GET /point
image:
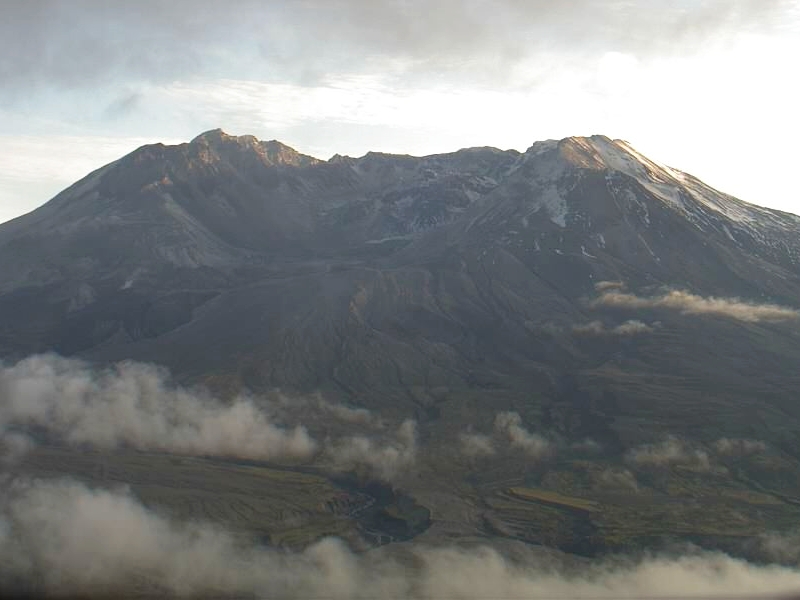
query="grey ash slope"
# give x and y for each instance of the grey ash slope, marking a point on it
(445, 287)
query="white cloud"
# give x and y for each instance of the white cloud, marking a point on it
(382, 457)
(135, 405)
(65, 539)
(692, 304)
(671, 452)
(631, 327)
(509, 425)
(476, 444)
(738, 447)
(618, 479)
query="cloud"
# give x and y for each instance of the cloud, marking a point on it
(62, 538)
(134, 405)
(380, 457)
(632, 327)
(603, 286)
(476, 444)
(316, 409)
(84, 42)
(13, 446)
(671, 452)
(346, 414)
(691, 304)
(618, 479)
(587, 446)
(509, 425)
(738, 447)
(781, 547)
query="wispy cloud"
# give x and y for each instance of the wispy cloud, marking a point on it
(381, 457)
(739, 447)
(671, 452)
(632, 327)
(509, 425)
(618, 480)
(476, 444)
(604, 286)
(317, 407)
(692, 304)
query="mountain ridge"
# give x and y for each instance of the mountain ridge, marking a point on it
(576, 298)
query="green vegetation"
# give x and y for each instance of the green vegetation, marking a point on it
(572, 508)
(278, 506)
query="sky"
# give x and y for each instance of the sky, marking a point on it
(705, 86)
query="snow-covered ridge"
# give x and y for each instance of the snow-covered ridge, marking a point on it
(677, 188)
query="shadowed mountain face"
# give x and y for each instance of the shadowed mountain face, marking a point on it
(598, 294)
(600, 352)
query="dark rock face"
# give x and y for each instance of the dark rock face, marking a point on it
(446, 287)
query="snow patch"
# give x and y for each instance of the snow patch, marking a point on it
(555, 205)
(649, 249)
(728, 233)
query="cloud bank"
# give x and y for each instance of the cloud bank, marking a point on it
(691, 304)
(62, 538)
(56, 45)
(134, 405)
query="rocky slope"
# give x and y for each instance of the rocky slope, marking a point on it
(606, 299)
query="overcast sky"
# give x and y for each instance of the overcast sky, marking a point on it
(706, 86)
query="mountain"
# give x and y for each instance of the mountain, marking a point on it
(616, 305)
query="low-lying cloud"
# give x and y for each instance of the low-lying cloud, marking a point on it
(780, 547)
(476, 444)
(738, 447)
(384, 458)
(62, 538)
(671, 452)
(317, 406)
(674, 451)
(618, 479)
(604, 286)
(631, 327)
(134, 405)
(692, 304)
(509, 425)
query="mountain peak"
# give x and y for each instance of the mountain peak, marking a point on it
(271, 152)
(599, 153)
(213, 136)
